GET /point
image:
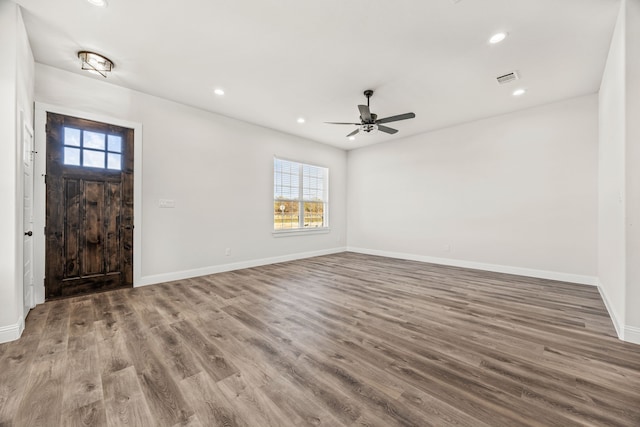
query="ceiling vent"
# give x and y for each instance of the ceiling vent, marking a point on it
(508, 78)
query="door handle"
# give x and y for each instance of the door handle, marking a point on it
(128, 227)
(28, 233)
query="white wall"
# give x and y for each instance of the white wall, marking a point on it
(218, 170)
(632, 28)
(611, 182)
(8, 162)
(16, 96)
(515, 193)
(619, 175)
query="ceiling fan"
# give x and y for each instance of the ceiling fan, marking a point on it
(370, 122)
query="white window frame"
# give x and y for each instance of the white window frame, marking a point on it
(301, 229)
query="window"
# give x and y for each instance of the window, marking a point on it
(92, 149)
(300, 196)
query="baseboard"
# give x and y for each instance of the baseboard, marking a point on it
(186, 274)
(632, 334)
(11, 332)
(519, 271)
(619, 327)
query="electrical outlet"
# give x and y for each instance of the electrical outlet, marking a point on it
(227, 252)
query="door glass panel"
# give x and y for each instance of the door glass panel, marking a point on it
(94, 140)
(114, 161)
(71, 156)
(93, 159)
(114, 143)
(72, 137)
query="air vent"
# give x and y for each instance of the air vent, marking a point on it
(508, 78)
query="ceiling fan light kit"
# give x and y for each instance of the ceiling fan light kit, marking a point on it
(369, 122)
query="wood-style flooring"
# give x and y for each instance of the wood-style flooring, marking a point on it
(339, 340)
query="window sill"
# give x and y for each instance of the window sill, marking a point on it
(301, 232)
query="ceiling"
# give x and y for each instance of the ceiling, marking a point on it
(278, 60)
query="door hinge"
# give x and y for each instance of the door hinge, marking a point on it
(45, 178)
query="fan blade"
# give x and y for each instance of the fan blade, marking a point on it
(341, 123)
(353, 133)
(365, 113)
(386, 129)
(396, 118)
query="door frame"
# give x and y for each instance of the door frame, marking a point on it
(39, 193)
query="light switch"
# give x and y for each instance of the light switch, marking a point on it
(167, 203)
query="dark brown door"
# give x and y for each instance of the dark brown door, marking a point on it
(89, 214)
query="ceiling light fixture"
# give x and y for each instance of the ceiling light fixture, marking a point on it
(219, 92)
(301, 120)
(352, 138)
(519, 92)
(99, 3)
(497, 38)
(95, 63)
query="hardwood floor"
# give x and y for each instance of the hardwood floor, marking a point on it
(339, 340)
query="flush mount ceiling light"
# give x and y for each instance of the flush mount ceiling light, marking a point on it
(301, 120)
(99, 3)
(95, 63)
(497, 38)
(219, 92)
(352, 138)
(519, 92)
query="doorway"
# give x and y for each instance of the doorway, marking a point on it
(89, 206)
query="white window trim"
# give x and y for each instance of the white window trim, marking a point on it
(302, 230)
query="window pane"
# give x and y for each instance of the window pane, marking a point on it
(293, 181)
(93, 140)
(114, 161)
(72, 156)
(114, 143)
(72, 137)
(313, 214)
(93, 159)
(285, 215)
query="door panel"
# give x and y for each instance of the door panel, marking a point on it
(93, 228)
(72, 228)
(89, 222)
(27, 212)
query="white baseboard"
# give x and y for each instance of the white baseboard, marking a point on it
(519, 271)
(186, 274)
(11, 332)
(619, 327)
(632, 334)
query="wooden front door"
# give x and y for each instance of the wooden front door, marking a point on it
(89, 207)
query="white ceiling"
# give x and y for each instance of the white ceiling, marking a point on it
(279, 60)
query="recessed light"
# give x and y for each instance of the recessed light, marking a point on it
(219, 92)
(519, 92)
(99, 3)
(301, 120)
(352, 138)
(497, 38)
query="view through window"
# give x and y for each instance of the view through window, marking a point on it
(300, 199)
(92, 149)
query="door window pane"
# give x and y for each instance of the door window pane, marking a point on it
(71, 156)
(114, 144)
(93, 140)
(72, 137)
(114, 161)
(93, 159)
